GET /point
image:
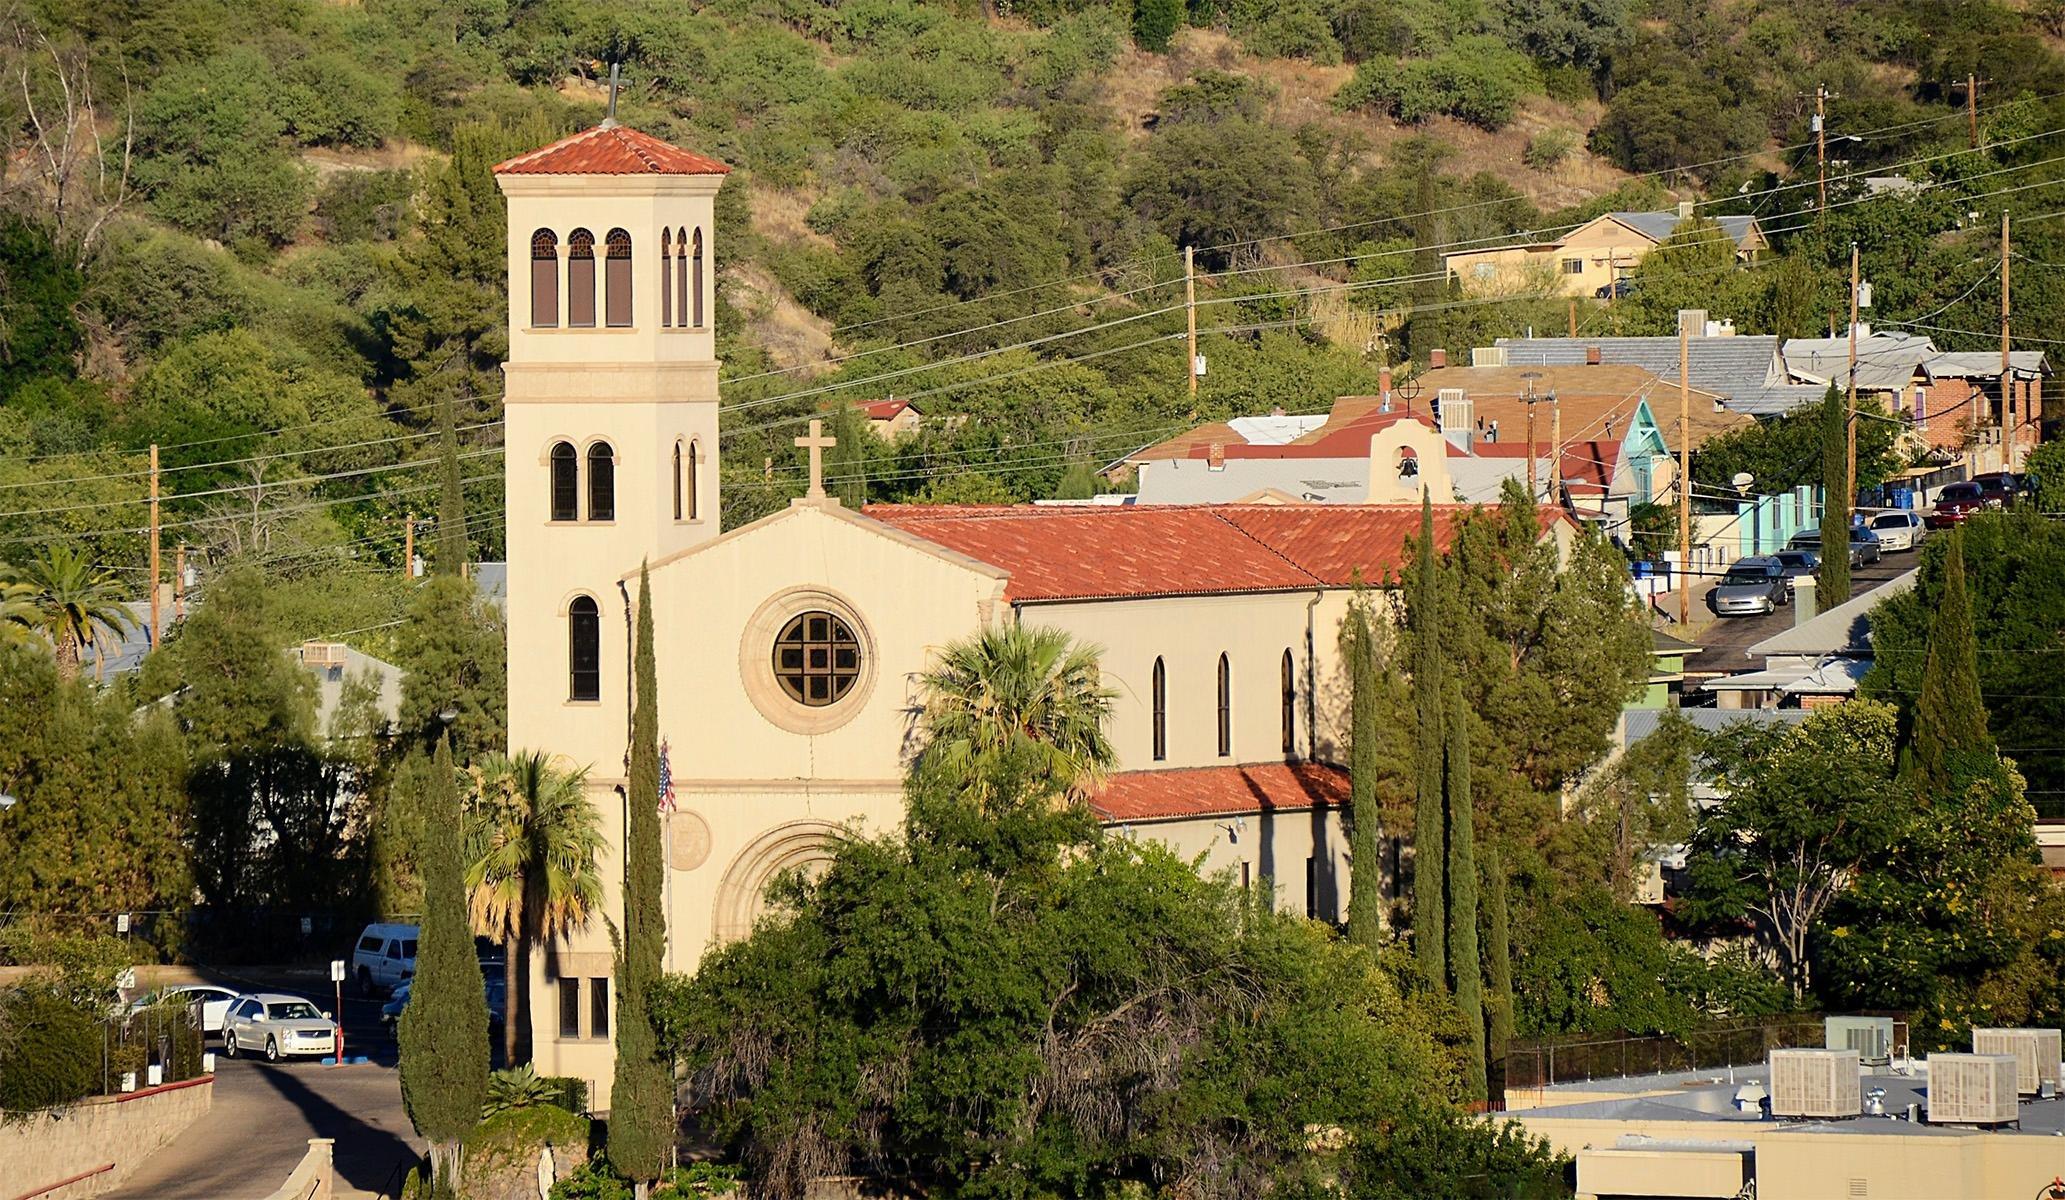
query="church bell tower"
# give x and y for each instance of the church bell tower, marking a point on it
(610, 414)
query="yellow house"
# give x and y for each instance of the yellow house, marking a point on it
(1587, 261)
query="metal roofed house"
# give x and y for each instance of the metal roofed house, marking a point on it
(1744, 371)
(1594, 255)
(1820, 660)
(1962, 391)
(1888, 363)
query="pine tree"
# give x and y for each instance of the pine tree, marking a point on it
(451, 506)
(1366, 899)
(1832, 583)
(1423, 609)
(1465, 965)
(1950, 715)
(444, 1029)
(641, 1123)
(1499, 963)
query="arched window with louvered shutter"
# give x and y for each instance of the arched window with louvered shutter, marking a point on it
(694, 482)
(584, 649)
(602, 482)
(1290, 705)
(695, 282)
(666, 274)
(1225, 707)
(580, 279)
(1161, 711)
(566, 482)
(679, 280)
(544, 279)
(616, 279)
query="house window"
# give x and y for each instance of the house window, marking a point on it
(580, 279)
(1161, 712)
(544, 279)
(602, 482)
(1225, 707)
(679, 280)
(691, 482)
(566, 482)
(695, 258)
(598, 1008)
(1312, 887)
(1290, 705)
(1247, 876)
(617, 279)
(570, 1008)
(677, 481)
(816, 659)
(584, 649)
(666, 278)
(1573, 266)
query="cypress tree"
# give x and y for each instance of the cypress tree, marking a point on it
(1430, 910)
(451, 505)
(444, 1030)
(1465, 965)
(1950, 716)
(641, 1121)
(1832, 582)
(1499, 963)
(1365, 901)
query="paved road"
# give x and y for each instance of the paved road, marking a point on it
(264, 1114)
(1724, 639)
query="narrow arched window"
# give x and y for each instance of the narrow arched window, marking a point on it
(695, 281)
(544, 279)
(584, 649)
(695, 504)
(566, 482)
(602, 482)
(680, 282)
(616, 279)
(1225, 707)
(580, 279)
(666, 285)
(1161, 712)
(1290, 706)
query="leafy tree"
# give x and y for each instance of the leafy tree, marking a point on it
(453, 658)
(1155, 21)
(1478, 80)
(1833, 578)
(532, 840)
(1782, 452)
(1465, 962)
(1424, 615)
(1805, 806)
(641, 1123)
(443, 1032)
(1949, 716)
(1670, 123)
(1579, 33)
(39, 331)
(1641, 800)
(1012, 690)
(76, 604)
(1080, 482)
(1218, 184)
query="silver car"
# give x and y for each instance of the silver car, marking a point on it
(1752, 587)
(277, 1025)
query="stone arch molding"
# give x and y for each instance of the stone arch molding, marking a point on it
(742, 894)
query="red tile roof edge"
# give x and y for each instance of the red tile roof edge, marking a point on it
(1185, 792)
(611, 150)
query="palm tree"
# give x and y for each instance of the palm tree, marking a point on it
(75, 602)
(17, 607)
(531, 842)
(1011, 688)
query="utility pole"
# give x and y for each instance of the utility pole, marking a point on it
(179, 582)
(1850, 472)
(1684, 474)
(1555, 449)
(1190, 318)
(409, 546)
(1972, 108)
(1821, 141)
(1573, 318)
(156, 625)
(2007, 377)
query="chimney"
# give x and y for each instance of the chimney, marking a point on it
(1215, 456)
(1591, 356)
(1803, 600)
(1437, 358)
(1384, 388)
(1684, 210)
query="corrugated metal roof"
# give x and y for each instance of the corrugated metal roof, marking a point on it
(1220, 791)
(1843, 629)
(1275, 431)
(1885, 361)
(1656, 226)
(1639, 723)
(1722, 365)
(611, 149)
(1985, 364)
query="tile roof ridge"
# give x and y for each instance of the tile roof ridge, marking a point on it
(1286, 559)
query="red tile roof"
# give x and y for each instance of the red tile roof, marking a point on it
(1216, 791)
(883, 410)
(1133, 551)
(611, 150)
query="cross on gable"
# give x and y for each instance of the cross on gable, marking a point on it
(817, 443)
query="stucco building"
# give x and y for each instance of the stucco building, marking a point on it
(1588, 260)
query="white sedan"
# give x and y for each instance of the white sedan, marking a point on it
(214, 1002)
(1899, 530)
(279, 1026)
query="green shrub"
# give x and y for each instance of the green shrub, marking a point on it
(1478, 79)
(362, 206)
(570, 1093)
(1154, 23)
(1548, 148)
(50, 1050)
(518, 1088)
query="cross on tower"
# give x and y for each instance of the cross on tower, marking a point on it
(817, 443)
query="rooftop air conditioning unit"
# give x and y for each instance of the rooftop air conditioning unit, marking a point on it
(1488, 356)
(1457, 413)
(1815, 1083)
(1871, 1038)
(2036, 1054)
(1972, 1089)
(322, 654)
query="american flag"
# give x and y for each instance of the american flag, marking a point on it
(666, 780)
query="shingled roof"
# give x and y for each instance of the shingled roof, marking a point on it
(611, 149)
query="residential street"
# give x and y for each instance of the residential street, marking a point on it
(1723, 640)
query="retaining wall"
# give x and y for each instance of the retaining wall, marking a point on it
(87, 1148)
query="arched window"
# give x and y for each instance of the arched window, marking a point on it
(566, 482)
(584, 649)
(616, 279)
(602, 482)
(691, 480)
(580, 279)
(680, 283)
(1161, 712)
(695, 280)
(544, 279)
(1290, 706)
(677, 481)
(666, 284)
(1225, 707)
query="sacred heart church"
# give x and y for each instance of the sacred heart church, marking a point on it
(788, 649)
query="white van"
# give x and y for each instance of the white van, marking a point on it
(384, 956)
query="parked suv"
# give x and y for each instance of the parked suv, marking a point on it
(1998, 488)
(1956, 502)
(1753, 586)
(384, 957)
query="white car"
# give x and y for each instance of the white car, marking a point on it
(277, 1026)
(1899, 530)
(214, 1002)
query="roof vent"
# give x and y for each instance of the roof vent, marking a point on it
(1488, 356)
(2036, 1054)
(1815, 1083)
(1972, 1089)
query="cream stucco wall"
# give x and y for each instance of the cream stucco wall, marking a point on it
(1286, 852)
